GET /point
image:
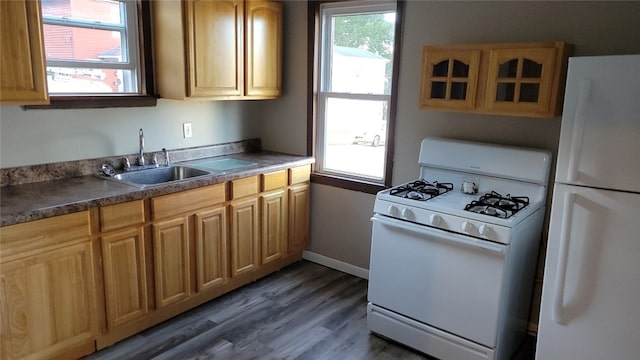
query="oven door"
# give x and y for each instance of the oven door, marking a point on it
(448, 281)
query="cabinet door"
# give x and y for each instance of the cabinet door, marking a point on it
(125, 277)
(449, 78)
(298, 217)
(215, 31)
(519, 80)
(244, 236)
(171, 261)
(22, 67)
(211, 248)
(264, 48)
(274, 226)
(47, 303)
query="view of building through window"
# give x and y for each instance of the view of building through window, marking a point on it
(91, 46)
(355, 87)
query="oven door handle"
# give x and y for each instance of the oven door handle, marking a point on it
(425, 230)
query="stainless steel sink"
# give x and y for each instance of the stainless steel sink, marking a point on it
(158, 176)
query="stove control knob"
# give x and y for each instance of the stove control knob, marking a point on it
(467, 226)
(393, 210)
(435, 219)
(407, 213)
(485, 230)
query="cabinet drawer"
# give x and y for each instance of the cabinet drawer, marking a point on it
(118, 216)
(244, 187)
(180, 203)
(274, 180)
(35, 236)
(299, 174)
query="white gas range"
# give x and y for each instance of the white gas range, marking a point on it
(453, 253)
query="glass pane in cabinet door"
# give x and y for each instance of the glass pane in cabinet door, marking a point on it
(505, 92)
(441, 68)
(529, 92)
(460, 69)
(438, 90)
(458, 91)
(508, 69)
(531, 69)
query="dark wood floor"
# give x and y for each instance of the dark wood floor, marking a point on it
(306, 311)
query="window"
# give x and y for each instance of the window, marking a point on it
(95, 49)
(355, 91)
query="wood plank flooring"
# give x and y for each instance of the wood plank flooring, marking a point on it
(305, 311)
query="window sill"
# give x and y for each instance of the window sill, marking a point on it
(96, 102)
(347, 183)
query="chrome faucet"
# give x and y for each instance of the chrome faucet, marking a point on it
(141, 158)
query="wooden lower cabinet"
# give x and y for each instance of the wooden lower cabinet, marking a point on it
(125, 276)
(299, 203)
(273, 206)
(298, 227)
(47, 294)
(244, 236)
(171, 261)
(211, 248)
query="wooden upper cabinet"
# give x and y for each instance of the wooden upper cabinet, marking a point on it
(215, 30)
(226, 50)
(450, 79)
(264, 48)
(23, 79)
(522, 79)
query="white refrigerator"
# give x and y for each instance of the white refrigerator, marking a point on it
(591, 291)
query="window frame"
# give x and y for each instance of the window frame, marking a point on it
(315, 36)
(147, 94)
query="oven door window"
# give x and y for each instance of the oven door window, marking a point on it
(445, 280)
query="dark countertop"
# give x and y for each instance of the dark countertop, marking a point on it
(39, 200)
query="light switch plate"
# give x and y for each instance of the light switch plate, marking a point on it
(186, 130)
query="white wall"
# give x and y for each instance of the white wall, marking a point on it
(43, 136)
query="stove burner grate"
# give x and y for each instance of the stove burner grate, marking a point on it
(421, 190)
(494, 204)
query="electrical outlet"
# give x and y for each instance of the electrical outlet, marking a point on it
(186, 130)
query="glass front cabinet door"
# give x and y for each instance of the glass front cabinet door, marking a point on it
(450, 78)
(516, 79)
(520, 80)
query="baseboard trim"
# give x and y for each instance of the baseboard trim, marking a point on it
(336, 264)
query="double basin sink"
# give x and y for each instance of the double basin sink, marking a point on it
(176, 173)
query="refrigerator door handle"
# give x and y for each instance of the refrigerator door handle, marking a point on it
(578, 129)
(563, 254)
